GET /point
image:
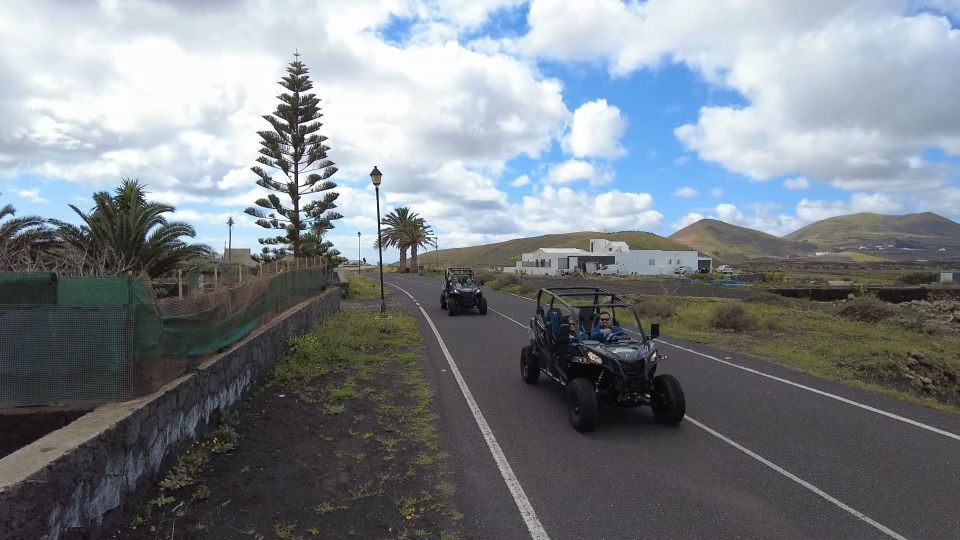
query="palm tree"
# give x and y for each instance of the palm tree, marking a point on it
(391, 235)
(22, 240)
(127, 233)
(417, 234)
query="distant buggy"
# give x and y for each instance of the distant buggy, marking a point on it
(617, 371)
(461, 290)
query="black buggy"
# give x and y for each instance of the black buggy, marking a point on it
(618, 371)
(461, 289)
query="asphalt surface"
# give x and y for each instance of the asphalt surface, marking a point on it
(756, 457)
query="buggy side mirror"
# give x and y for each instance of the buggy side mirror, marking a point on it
(654, 330)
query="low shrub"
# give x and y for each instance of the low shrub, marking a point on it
(868, 309)
(732, 316)
(656, 307)
(774, 277)
(917, 278)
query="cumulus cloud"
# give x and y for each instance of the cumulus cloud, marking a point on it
(688, 219)
(686, 192)
(575, 170)
(141, 90)
(716, 193)
(32, 195)
(796, 184)
(817, 100)
(550, 211)
(520, 181)
(814, 210)
(595, 131)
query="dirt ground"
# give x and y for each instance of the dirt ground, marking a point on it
(352, 453)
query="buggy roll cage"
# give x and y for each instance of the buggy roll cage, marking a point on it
(595, 307)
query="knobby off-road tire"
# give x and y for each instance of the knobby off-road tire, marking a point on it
(451, 308)
(483, 305)
(584, 410)
(443, 302)
(529, 366)
(669, 404)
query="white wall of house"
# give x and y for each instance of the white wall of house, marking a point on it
(600, 246)
(652, 262)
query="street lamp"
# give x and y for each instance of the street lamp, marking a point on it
(436, 249)
(230, 223)
(358, 253)
(376, 176)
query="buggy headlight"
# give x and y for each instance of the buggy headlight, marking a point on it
(654, 357)
(594, 357)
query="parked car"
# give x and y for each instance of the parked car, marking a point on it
(611, 270)
(725, 269)
(617, 372)
(683, 270)
(461, 289)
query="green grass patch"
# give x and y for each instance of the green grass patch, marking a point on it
(856, 342)
(362, 288)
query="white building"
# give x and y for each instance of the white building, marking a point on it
(646, 262)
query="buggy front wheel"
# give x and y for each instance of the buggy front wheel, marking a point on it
(443, 302)
(482, 304)
(451, 308)
(529, 366)
(584, 410)
(669, 404)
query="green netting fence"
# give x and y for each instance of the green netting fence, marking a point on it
(83, 339)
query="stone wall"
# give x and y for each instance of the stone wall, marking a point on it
(64, 483)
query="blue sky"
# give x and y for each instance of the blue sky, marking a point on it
(495, 119)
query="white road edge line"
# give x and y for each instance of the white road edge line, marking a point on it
(842, 399)
(856, 513)
(527, 512)
(860, 515)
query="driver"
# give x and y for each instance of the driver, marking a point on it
(606, 328)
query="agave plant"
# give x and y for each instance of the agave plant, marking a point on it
(125, 232)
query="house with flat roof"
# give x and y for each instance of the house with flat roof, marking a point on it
(558, 261)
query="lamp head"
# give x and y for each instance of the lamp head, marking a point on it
(375, 176)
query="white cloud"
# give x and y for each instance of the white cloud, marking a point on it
(686, 192)
(520, 181)
(145, 90)
(688, 219)
(575, 170)
(809, 211)
(595, 131)
(563, 209)
(829, 88)
(32, 195)
(716, 193)
(796, 184)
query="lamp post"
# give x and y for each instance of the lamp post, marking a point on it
(376, 176)
(436, 249)
(358, 253)
(230, 223)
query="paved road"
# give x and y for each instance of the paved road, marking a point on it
(757, 457)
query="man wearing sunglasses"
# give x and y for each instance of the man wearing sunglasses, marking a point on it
(605, 329)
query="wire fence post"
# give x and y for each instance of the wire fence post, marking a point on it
(240, 273)
(179, 283)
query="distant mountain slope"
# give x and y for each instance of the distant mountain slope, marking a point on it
(731, 243)
(507, 253)
(919, 231)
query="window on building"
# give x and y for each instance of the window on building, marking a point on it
(670, 261)
(653, 262)
(610, 249)
(563, 263)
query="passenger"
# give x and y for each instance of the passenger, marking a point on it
(606, 328)
(575, 333)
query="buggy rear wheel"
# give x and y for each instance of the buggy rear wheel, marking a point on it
(482, 305)
(584, 410)
(668, 403)
(529, 366)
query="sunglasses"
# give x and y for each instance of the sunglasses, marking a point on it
(604, 319)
